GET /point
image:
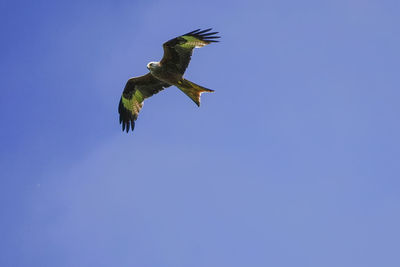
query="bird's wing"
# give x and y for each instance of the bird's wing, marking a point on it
(178, 51)
(135, 92)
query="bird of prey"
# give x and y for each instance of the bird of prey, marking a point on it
(169, 71)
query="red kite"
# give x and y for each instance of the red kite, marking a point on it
(169, 71)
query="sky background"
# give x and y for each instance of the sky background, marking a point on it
(293, 161)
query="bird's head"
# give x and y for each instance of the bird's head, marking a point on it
(153, 65)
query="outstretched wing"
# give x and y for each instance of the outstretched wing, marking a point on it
(178, 51)
(135, 92)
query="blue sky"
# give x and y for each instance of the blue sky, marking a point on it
(293, 161)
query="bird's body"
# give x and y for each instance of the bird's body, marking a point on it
(169, 71)
(164, 74)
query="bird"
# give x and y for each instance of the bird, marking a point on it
(165, 73)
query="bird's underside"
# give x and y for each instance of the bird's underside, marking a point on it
(169, 71)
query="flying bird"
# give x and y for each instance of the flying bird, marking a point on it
(169, 71)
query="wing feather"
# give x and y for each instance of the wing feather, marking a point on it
(135, 92)
(178, 51)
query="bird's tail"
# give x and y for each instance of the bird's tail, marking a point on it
(192, 90)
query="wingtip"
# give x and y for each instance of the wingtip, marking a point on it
(132, 125)
(192, 32)
(204, 31)
(207, 36)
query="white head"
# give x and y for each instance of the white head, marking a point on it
(153, 65)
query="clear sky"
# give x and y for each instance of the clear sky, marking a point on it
(293, 161)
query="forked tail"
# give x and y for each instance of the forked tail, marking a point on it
(192, 90)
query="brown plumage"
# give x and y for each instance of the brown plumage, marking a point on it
(169, 71)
